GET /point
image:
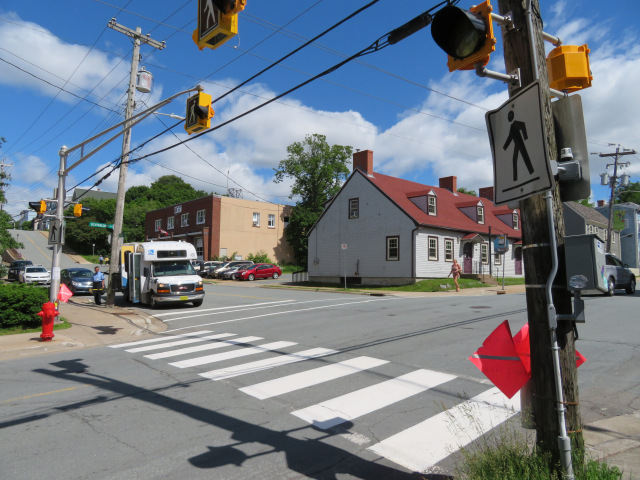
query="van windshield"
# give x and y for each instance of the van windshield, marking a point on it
(177, 267)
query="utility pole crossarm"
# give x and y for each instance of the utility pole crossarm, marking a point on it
(134, 34)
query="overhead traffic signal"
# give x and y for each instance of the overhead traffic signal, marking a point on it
(465, 35)
(39, 207)
(77, 210)
(199, 113)
(217, 22)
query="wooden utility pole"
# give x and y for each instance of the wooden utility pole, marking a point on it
(537, 253)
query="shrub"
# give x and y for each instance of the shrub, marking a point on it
(20, 305)
(259, 257)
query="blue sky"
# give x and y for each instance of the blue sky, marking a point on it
(64, 74)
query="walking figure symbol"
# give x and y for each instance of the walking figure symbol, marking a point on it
(517, 135)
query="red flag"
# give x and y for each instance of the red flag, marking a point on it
(521, 341)
(500, 362)
(64, 294)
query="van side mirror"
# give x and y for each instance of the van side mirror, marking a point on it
(145, 271)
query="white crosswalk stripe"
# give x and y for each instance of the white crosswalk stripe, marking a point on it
(418, 447)
(427, 443)
(301, 380)
(179, 342)
(355, 404)
(243, 352)
(268, 363)
(202, 348)
(159, 339)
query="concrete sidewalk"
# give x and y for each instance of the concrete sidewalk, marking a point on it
(615, 440)
(91, 325)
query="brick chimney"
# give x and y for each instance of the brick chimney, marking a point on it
(450, 183)
(601, 203)
(486, 192)
(363, 161)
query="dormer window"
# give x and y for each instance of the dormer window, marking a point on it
(480, 213)
(516, 222)
(432, 205)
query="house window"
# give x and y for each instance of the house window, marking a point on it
(497, 259)
(200, 216)
(606, 234)
(431, 205)
(480, 214)
(448, 250)
(590, 228)
(272, 221)
(256, 219)
(516, 221)
(286, 221)
(177, 209)
(184, 220)
(158, 224)
(433, 248)
(393, 248)
(170, 223)
(484, 253)
(354, 208)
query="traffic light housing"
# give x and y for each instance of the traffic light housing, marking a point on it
(199, 113)
(568, 68)
(39, 207)
(465, 35)
(230, 7)
(77, 210)
(217, 22)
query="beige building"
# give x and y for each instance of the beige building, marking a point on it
(223, 226)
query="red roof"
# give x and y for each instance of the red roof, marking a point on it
(449, 214)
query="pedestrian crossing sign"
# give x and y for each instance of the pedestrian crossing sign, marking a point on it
(518, 137)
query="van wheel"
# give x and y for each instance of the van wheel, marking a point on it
(611, 285)
(126, 295)
(197, 303)
(631, 289)
(153, 302)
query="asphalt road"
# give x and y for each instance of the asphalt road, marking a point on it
(317, 385)
(37, 249)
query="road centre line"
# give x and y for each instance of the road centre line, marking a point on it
(280, 313)
(222, 308)
(241, 309)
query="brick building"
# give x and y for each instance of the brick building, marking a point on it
(221, 226)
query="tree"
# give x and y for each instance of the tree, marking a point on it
(586, 203)
(6, 240)
(318, 171)
(468, 192)
(628, 194)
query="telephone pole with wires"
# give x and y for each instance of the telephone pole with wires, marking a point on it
(138, 39)
(614, 182)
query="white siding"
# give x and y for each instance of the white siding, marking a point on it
(365, 236)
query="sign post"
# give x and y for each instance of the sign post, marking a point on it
(344, 249)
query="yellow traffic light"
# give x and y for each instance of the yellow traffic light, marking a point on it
(39, 207)
(77, 210)
(465, 35)
(568, 68)
(217, 22)
(199, 113)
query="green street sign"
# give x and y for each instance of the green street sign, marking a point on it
(101, 225)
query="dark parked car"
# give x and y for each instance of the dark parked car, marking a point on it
(259, 270)
(16, 267)
(78, 280)
(618, 275)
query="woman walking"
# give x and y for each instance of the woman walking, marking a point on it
(455, 271)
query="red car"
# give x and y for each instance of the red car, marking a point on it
(259, 270)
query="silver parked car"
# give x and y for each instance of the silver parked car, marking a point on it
(618, 275)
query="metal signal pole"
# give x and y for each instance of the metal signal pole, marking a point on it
(138, 38)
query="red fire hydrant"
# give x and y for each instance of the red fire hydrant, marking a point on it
(48, 314)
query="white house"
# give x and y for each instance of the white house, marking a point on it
(382, 230)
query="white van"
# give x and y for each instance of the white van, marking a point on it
(156, 273)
